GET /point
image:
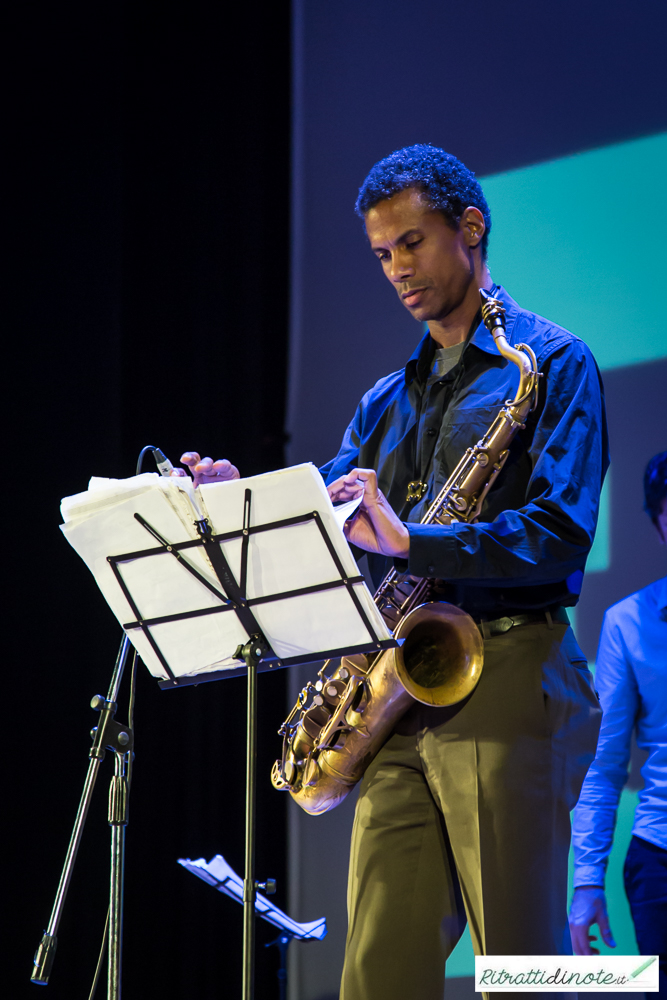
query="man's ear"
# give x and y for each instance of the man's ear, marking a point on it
(472, 226)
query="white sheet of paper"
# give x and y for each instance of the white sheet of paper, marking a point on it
(345, 510)
(101, 523)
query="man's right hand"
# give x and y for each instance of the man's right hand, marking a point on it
(589, 906)
(205, 470)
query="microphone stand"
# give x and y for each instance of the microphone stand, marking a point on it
(107, 735)
(119, 739)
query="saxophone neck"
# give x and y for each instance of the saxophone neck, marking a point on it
(493, 316)
(521, 358)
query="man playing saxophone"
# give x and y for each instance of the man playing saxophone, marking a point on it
(464, 812)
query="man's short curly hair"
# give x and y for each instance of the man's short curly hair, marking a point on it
(447, 183)
(655, 486)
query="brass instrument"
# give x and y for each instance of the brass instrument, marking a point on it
(440, 656)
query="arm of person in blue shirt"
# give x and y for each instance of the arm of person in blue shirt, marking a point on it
(595, 814)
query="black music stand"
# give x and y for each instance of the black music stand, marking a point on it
(256, 652)
(219, 874)
(257, 655)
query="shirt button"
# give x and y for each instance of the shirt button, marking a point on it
(430, 431)
(430, 569)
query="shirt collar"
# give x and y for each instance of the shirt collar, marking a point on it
(421, 360)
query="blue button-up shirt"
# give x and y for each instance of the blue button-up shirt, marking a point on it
(631, 679)
(529, 546)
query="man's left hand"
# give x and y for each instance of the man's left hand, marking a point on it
(375, 527)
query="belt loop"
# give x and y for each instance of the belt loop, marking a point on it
(550, 621)
(486, 631)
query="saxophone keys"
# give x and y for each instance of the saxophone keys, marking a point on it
(277, 779)
(416, 491)
(391, 617)
(334, 689)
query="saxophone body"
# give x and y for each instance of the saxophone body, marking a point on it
(329, 743)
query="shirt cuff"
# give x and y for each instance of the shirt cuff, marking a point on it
(433, 551)
(589, 875)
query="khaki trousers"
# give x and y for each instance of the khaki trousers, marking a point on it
(464, 814)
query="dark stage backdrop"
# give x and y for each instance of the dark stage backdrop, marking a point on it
(506, 88)
(150, 285)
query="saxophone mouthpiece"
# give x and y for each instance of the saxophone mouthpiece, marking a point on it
(493, 312)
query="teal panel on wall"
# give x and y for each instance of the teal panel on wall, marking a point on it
(581, 240)
(599, 558)
(461, 962)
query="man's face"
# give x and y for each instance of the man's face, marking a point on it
(429, 263)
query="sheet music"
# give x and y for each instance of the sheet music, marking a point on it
(101, 523)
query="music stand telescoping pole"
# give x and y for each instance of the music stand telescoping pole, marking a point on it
(251, 653)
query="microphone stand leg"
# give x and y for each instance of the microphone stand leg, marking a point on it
(46, 951)
(108, 731)
(118, 818)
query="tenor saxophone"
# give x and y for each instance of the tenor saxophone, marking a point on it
(328, 745)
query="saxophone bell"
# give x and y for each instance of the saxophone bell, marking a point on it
(441, 658)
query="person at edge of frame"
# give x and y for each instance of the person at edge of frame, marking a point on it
(631, 678)
(464, 814)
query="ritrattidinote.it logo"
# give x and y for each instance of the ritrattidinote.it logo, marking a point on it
(555, 973)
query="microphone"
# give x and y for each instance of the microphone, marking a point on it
(164, 466)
